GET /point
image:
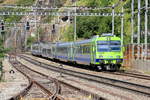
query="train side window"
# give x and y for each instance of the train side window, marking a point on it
(79, 49)
(86, 49)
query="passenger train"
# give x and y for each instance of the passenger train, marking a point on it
(101, 52)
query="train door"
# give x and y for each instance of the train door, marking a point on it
(93, 53)
(74, 51)
(70, 52)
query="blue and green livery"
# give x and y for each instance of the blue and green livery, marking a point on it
(105, 52)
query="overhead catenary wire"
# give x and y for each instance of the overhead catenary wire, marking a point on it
(59, 13)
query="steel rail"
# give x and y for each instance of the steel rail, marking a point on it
(137, 88)
(146, 77)
(58, 88)
(32, 81)
(71, 86)
(23, 92)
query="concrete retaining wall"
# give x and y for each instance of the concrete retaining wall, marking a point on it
(141, 65)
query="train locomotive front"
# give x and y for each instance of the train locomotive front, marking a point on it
(108, 52)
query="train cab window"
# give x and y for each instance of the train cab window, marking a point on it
(108, 46)
(115, 43)
(86, 49)
(108, 43)
(102, 42)
(115, 48)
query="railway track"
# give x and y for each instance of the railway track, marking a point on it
(129, 74)
(50, 88)
(126, 73)
(47, 88)
(132, 87)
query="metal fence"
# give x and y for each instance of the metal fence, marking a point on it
(137, 57)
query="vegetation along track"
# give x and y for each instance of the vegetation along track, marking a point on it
(132, 87)
(60, 87)
(45, 86)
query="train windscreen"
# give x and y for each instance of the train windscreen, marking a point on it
(108, 46)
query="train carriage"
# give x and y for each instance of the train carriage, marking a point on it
(64, 51)
(82, 52)
(47, 50)
(36, 49)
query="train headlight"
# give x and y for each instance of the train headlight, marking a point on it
(101, 61)
(119, 61)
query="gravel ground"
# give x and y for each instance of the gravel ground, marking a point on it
(13, 83)
(67, 93)
(35, 92)
(107, 92)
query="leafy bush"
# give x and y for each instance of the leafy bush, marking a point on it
(30, 40)
(2, 49)
(69, 34)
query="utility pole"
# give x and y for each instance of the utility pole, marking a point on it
(122, 27)
(22, 37)
(15, 31)
(38, 36)
(54, 3)
(25, 35)
(75, 20)
(139, 29)
(146, 28)
(113, 19)
(132, 28)
(35, 19)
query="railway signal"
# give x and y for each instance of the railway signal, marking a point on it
(27, 26)
(2, 28)
(64, 18)
(53, 30)
(71, 20)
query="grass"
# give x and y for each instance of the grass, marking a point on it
(68, 33)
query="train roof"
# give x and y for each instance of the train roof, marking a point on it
(83, 41)
(64, 43)
(107, 34)
(43, 42)
(77, 42)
